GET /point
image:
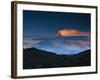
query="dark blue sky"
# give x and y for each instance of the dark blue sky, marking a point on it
(59, 32)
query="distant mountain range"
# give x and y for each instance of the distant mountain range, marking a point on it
(35, 58)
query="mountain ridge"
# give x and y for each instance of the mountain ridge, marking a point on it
(36, 58)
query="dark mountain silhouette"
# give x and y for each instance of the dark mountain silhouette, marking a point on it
(35, 58)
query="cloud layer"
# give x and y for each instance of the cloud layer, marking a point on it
(67, 41)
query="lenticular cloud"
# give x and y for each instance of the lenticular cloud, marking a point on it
(72, 32)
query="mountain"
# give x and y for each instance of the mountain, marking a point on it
(36, 58)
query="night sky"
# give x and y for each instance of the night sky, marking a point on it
(58, 32)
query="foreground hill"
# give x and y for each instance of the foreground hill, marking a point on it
(35, 58)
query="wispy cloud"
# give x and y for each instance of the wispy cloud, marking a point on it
(30, 43)
(73, 43)
(79, 43)
(72, 32)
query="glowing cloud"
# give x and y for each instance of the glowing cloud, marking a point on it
(72, 32)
